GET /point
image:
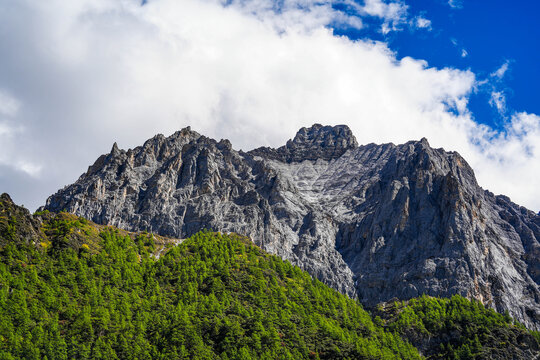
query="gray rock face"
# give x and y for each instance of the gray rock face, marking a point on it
(373, 221)
(317, 142)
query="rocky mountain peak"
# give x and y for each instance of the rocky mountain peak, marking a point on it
(315, 142)
(16, 223)
(339, 136)
(424, 141)
(5, 197)
(185, 134)
(115, 150)
(374, 221)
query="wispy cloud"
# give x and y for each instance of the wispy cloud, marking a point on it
(463, 52)
(393, 13)
(501, 71)
(310, 14)
(495, 85)
(498, 100)
(456, 4)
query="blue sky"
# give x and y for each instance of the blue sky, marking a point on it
(477, 35)
(77, 76)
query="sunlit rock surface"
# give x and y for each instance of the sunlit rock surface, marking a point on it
(373, 221)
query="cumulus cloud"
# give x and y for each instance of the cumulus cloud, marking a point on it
(88, 73)
(513, 159)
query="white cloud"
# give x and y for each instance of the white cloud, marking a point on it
(391, 11)
(311, 14)
(394, 13)
(498, 100)
(456, 4)
(512, 163)
(422, 23)
(302, 15)
(501, 71)
(89, 73)
(463, 52)
(493, 86)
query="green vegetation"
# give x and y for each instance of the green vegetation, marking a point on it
(71, 289)
(214, 296)
(457, 328)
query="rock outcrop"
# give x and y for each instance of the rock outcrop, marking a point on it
(373, 221)
(16, 223)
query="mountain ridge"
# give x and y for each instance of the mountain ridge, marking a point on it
(373, 221)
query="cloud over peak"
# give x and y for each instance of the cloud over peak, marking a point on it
(89, 73)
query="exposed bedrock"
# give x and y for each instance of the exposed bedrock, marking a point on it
(373, 221)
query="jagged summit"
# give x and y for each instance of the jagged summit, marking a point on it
(339, 137)
(6, 197)
(16, 224)
(115, 150)
(373, 221)
(315, 142)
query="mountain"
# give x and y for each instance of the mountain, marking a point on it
(74, 289)
(373, 221)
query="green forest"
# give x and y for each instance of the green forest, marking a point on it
(70, 289)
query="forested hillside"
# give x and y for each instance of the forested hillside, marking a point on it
(70, 289)
(457, 328)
